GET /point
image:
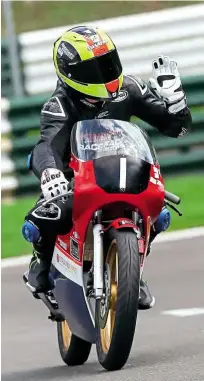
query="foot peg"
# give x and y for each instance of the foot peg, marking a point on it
(48, 299)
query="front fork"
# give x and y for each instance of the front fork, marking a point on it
(98, 260)
(98, 256)
(138, 222)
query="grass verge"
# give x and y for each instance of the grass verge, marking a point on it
(32, 15)
(189, 188)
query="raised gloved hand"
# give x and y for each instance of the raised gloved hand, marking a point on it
(53, 183)
(167, 84)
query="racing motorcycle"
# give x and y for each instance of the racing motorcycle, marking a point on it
(118, 194)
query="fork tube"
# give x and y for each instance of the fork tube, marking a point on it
(135, 217)
(98, 260)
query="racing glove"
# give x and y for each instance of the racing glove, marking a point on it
(53, 183)
(166, 83)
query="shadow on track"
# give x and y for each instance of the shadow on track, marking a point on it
(55, 373)
(95, 372)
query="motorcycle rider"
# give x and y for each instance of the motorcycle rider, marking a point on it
(91, 85)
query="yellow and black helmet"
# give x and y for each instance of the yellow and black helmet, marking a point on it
(87, 60)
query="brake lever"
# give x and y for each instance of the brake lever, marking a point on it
(69, 193)
(174, 208)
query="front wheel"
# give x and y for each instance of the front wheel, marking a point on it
(116, 316)
(73, 350)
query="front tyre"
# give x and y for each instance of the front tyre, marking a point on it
(116, 316)
(73, 350)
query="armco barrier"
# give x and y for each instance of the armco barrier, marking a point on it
(6, 77)
(8, 179)
(177, 32)
(24, 123)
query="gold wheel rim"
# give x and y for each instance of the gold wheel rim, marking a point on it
(106, 333)
(66, 334)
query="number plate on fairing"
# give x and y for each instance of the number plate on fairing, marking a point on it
(74, 249)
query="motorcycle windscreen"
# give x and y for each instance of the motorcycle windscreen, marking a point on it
(122, 153)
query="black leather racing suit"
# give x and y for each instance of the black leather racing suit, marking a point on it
(65, 107)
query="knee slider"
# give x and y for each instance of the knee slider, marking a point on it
(30, 232)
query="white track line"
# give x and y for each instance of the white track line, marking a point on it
(15, 261)
(179, 235)
(164, 237)
(185, 312)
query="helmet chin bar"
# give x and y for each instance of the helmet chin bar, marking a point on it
(93, 100)
(88, 98)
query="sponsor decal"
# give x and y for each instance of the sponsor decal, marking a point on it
(67, 267)
(125, 222)
(121, 96)
(183, 132)
(94, 40)
(102, 114)
(106, 146)
(74, 249)
(114, 95)
(64, 50)
(62, 244)
(76, 235)
(63, 261)
(156, 172)
(109, 145)
(140, 84)
(95, 45)
(156, 175)
(155, 181)
(53, 107)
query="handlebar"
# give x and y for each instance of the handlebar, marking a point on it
(69, 193)
(172, 198)
(167, 195)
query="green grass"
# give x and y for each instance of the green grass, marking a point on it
(12, 218)
(189, 188)
(32, 15)
(191, 191)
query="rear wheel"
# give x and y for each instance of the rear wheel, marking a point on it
(116, 317)
(73, 350)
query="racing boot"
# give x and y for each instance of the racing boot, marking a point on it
(146, 300)
(38, 277)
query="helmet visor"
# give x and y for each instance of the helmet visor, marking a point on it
(97, 70)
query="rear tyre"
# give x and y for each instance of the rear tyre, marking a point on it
(116, 318)
(73, 350)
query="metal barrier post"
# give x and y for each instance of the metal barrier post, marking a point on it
(13, 49)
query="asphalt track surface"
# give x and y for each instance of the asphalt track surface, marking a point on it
(165, 348)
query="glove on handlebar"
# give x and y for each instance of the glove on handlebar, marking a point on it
(53, 183)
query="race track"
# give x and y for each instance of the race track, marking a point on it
(166, 347)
